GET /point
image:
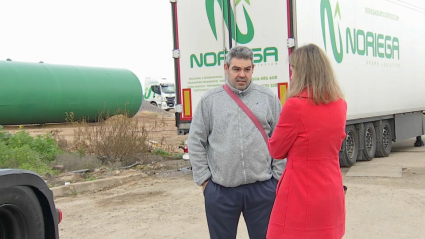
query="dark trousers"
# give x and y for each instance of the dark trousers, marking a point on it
(224, 206)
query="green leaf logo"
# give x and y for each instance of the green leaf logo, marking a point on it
(238, 1)
(148, 92)
(326, 11)
(236, 33)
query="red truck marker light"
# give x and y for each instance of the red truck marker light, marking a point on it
(60, 215)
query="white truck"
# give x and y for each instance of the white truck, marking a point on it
(160, 93)
(376, 49)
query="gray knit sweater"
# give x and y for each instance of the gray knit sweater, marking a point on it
(225, 145)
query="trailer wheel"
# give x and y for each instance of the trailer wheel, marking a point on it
(369, 142)
(384, 142)
(20, 214)
(350, 147)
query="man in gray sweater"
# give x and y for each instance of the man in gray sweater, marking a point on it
(229, 155)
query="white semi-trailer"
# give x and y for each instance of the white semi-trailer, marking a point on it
(376, 48)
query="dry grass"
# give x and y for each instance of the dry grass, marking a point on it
(116, 139)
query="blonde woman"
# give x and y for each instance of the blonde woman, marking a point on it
(310, 198)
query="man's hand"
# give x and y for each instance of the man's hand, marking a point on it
(204, 185)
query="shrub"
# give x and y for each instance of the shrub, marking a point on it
(45, 146)
(22, 151)
(60, 140)
(4, 135)
(23, 158)
(114, 139)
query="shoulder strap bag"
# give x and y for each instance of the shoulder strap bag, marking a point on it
(247, 111)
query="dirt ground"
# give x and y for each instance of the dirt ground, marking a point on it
(170, 205)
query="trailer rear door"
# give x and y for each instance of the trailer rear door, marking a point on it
(203, 33)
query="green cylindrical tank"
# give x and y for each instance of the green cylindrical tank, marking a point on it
(38, 93)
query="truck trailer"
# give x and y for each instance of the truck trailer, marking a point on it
(375, 48)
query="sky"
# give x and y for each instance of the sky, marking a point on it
(132, 34)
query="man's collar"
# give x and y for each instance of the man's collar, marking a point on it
(239, 92)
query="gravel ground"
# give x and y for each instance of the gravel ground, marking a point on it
(146, 106)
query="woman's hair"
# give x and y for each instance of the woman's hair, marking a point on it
(313, 72)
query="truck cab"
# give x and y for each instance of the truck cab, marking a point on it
(160, 94)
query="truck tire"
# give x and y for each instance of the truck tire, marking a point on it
(369, 141)
(20, 214)
(384, 140)
(350, 147)
(154, 104)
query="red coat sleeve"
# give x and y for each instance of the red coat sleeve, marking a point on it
(286, 130)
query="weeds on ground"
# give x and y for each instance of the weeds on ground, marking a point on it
(159, 124)
(22, 151)
(60, 140)
(177, 155)
(161, 152)
(88, 177)
(74, 192)
(112, 139)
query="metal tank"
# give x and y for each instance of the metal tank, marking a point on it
(39, 93)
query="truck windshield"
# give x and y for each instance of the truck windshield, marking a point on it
(168, 89)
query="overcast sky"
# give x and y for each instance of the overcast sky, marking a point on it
(131, 34)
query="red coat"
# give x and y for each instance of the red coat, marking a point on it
(310, 199)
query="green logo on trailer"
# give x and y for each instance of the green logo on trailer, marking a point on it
(236, 33)
(325, 8)
(212, 59)
(357, 41)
